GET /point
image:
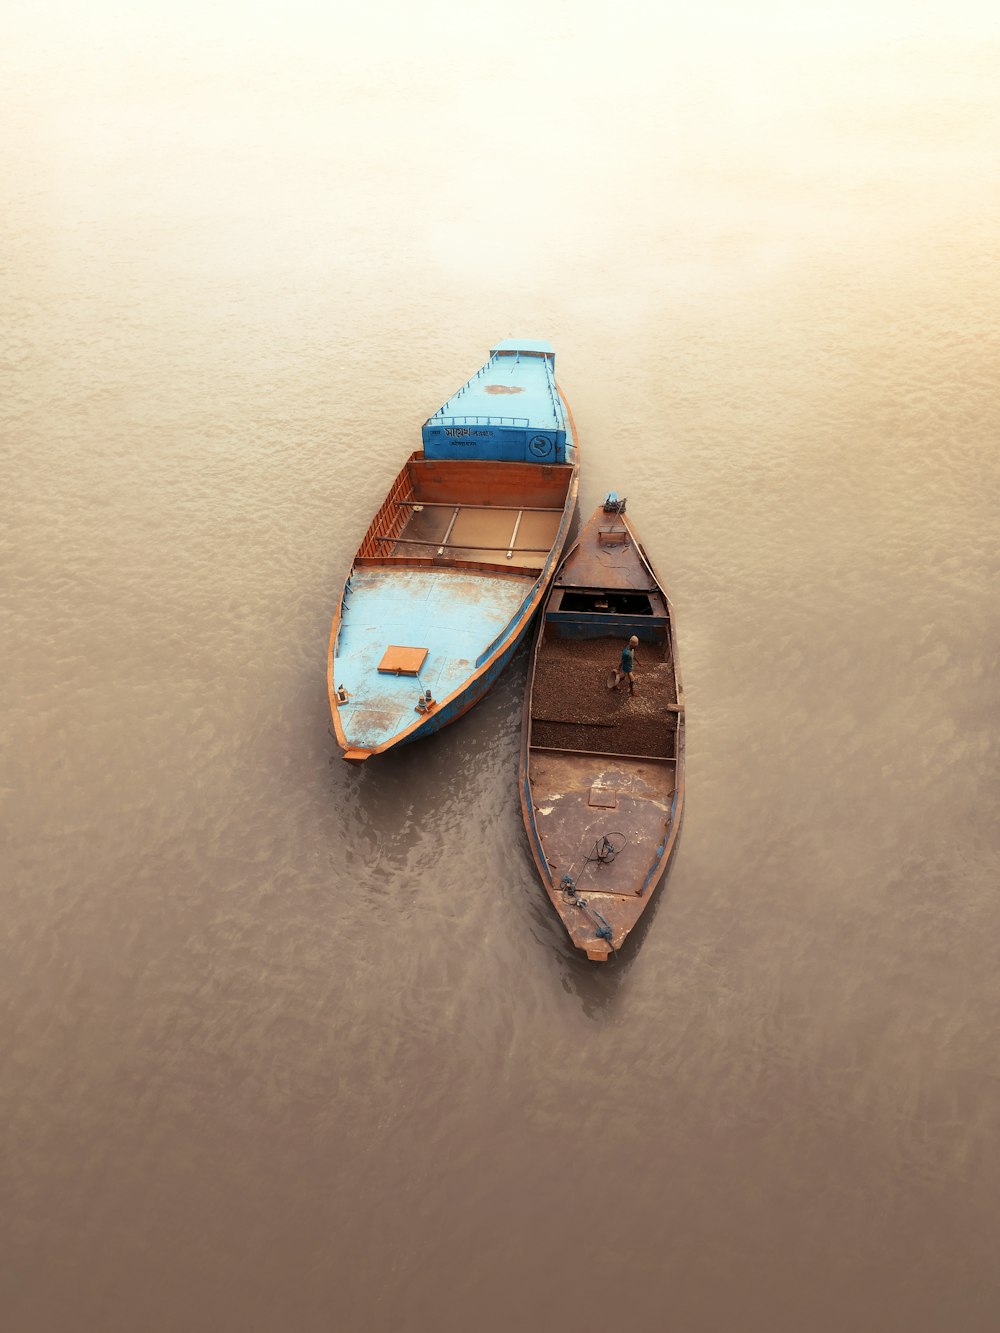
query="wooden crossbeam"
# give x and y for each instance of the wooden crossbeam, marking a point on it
(442, 504)
(462, 546)
(604, 754)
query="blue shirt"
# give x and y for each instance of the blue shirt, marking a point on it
(627, 658)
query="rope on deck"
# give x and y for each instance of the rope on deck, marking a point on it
(601, 927)
(605, 851)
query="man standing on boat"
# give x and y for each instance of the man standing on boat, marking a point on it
(627, 669)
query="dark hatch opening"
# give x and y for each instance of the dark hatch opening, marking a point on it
(608, 603)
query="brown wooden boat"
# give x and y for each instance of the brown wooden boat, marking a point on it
(602, 770)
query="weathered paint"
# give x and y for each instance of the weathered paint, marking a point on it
(510, 410)
(475, 610)
(466, 698)
(528, 808)
(554, 786)
(450, 612)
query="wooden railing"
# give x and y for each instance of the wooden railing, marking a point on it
(391, 518)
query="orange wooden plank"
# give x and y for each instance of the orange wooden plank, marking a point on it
(399, 661)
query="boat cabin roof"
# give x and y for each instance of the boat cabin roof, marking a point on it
(516, 387)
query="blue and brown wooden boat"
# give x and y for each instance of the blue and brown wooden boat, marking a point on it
(602, 770)
(458, 557)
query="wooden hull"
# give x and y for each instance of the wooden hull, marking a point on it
(601, 779)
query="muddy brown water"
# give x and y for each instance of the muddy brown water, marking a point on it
(292, 1046)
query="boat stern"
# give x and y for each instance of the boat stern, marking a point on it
(356, 756)
(598, 952)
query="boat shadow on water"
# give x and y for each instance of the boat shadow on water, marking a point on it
(408, 818)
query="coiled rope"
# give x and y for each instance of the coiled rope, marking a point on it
(605, 850)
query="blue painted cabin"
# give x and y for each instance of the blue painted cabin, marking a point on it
(509, 411)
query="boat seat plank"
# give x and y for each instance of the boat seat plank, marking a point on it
(603, 754)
